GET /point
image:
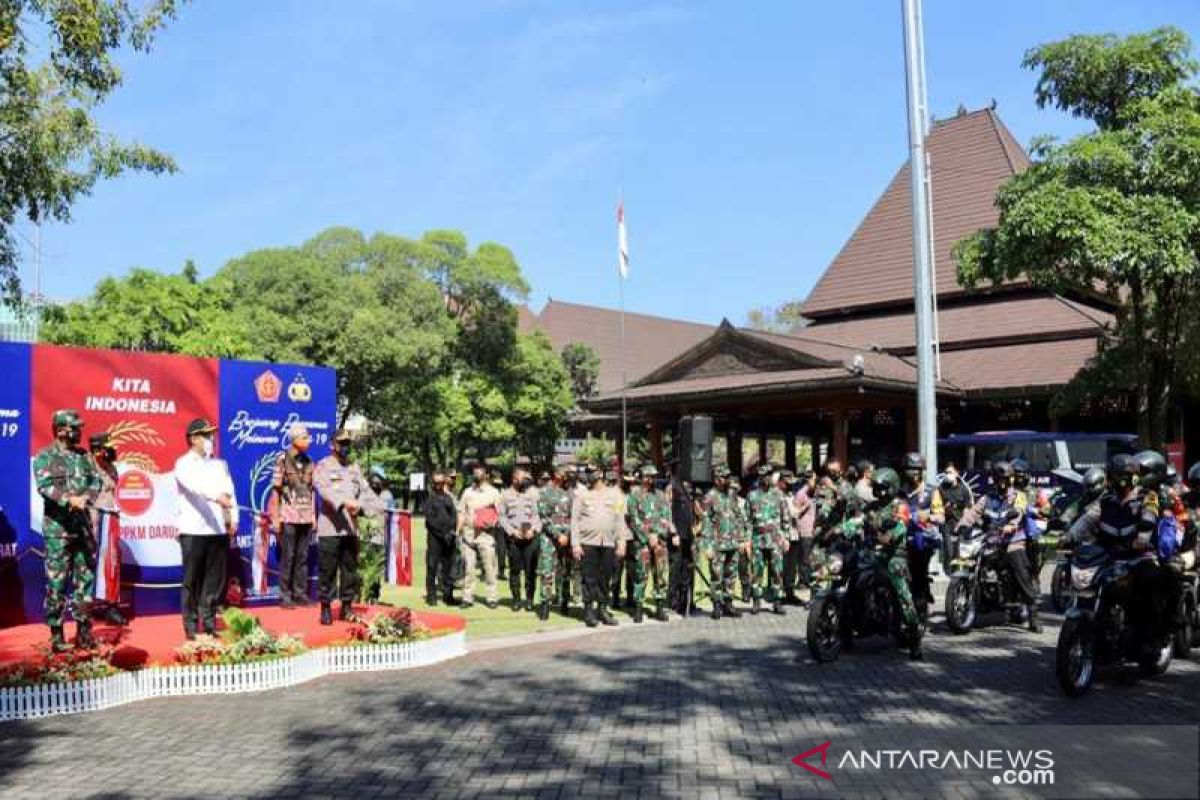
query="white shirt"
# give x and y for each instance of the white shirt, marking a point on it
(201, 480)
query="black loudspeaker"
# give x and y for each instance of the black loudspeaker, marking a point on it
(695, 449)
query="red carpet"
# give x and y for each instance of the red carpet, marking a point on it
(152, 640)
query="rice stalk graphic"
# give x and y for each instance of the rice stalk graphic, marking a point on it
(140, 460)
(263, 470)
(135, 432)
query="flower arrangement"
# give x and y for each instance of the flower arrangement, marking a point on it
(392, 626)
(55, 667)
(244, 640)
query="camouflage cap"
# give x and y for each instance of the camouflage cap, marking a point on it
(67, 417)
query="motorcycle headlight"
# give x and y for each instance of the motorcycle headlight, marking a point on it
(1082, 578)
(970, 549)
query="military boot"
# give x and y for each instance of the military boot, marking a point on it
(660, 611)
(638, 613)
(716, 612)
(914, 651)
(326, 614)
(605, 617)
(58, 642)
(589, 615)
(543, 611)
(730, 610)
(564, 606)
(83, 636)
(757, 607)
(113, 616)
(777, 608)
(346, 613)
(1034, 625)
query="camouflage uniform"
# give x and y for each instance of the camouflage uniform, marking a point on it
(650, 515)
(888, 522)
(62, 472)
(555, 562)
(723, 534)
(766, 509)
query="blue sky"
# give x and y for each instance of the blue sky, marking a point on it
(748, 139)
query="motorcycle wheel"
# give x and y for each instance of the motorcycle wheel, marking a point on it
(960, 605)
(1183, 634)
(1060, 588)
(1157, 665)
(824, 633)
(1074, 659)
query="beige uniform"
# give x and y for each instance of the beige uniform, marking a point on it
(478, 546)
(598, 518)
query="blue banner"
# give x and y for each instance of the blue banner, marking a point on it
(22, 576)
(259, 404)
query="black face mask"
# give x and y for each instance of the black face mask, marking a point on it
(526, 484)
(74, 436)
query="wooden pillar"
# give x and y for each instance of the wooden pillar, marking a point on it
(910, 428)
(733, 451)
(840, 444)
(655, 435)
(789, 451)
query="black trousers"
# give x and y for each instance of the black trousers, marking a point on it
(683, 575)
(1018, 563)
(918, 571)
(439, 566)
(501, 551)
(1153, 600)
(522, 561)
(795, 565)
(598, 565)
(293, 561)
(337, 565)
(204, 564)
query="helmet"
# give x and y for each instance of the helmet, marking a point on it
(886, 482)
(1151, 468)
(914, 462)
(864, 467)
(1122, 467)
(1003, 471)
(1093, 480)
(1172, 478)
(1193, 474)
(648, 471)
(1020, 468)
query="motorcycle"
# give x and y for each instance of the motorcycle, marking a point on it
(981, 580)
(854, 599)
(1096, 632)
(1060, 580)
(1187, 632)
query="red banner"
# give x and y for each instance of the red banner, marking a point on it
(398, 548)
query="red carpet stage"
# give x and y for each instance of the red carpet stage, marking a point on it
(152, 640)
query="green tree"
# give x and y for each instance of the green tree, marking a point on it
(152, 311)
(583, 369)
(1116, 209)
(783, 318)
(56, 68)
(539, 396)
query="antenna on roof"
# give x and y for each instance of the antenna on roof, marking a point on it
(994, 104)
(962, 111)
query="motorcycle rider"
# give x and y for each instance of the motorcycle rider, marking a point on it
(1163, 498)
(1038, 509)
(925, 515)
(956, 498)
(885, 523)
(1123, 523)
(1004, 502)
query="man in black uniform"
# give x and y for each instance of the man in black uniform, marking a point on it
(681, 545)
(441, 524)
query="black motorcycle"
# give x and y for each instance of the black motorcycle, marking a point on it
(981, 580)
(855, 599)
(1187, 630)
(1060, 580)
(1096, 632)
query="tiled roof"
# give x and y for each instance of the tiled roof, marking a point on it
(1037, 365)
(649, 341)
(970, 157)
(985, 319)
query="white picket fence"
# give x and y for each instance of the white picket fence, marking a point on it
(47, 700)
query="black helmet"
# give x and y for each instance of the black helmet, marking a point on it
(1151, 468)
(1093, 480)
(886, 483)
(1193, 474)
(1020, 467)
(864, 467)
(914, 462)
(1122, 466)
(1002, 471)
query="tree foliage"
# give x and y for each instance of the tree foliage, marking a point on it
(1115, 210)
(783, 318)
(583, 367)
(52, 152)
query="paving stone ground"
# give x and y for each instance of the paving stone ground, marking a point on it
(693, 708)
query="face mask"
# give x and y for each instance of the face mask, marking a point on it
(74, 436)
(301, 445)
(476, 479)
(207, 447)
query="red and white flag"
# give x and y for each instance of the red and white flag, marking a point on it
(622, 242)
(108, 557)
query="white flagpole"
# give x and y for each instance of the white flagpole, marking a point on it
(621, 272)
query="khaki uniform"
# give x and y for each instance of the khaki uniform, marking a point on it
(478, 546)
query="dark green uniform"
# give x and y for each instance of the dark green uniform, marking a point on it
(765, 509)
(62, 472)
(555, 562)
(888, 522)
(723, 535)
(650, 515)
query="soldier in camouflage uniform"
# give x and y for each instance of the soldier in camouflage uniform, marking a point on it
(651, 526)
(885, 522)
(767, 506)
(554, 555)
(68, 481)
(724, 537)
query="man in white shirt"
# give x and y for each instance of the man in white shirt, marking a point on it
(206, 516)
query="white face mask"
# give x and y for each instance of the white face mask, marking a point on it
(207, 448)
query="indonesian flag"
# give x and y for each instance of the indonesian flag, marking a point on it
(108, 566)
(397, 548)
(262, 551)
(622, 242)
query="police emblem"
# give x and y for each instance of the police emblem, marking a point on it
(268, 387)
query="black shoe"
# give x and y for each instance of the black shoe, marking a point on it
(431, 600)
(517, 605)
(302, 601)
(346, 612)
(757, 607)
(638, 613)
(730, 611)
(605, 617)
(490, 604)
(467, 604)
(915, 654)
(448, 599)
(210, 627)
(58, 642)
(114, 617)
(502, 576)
(791, 600)
(326, 614)
(543, 612)
(564, 608)
(589, 616)
(189, 630)
(660, 613)
(777, 608)
(716, 612)
(287, 602)
(1034, 625)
